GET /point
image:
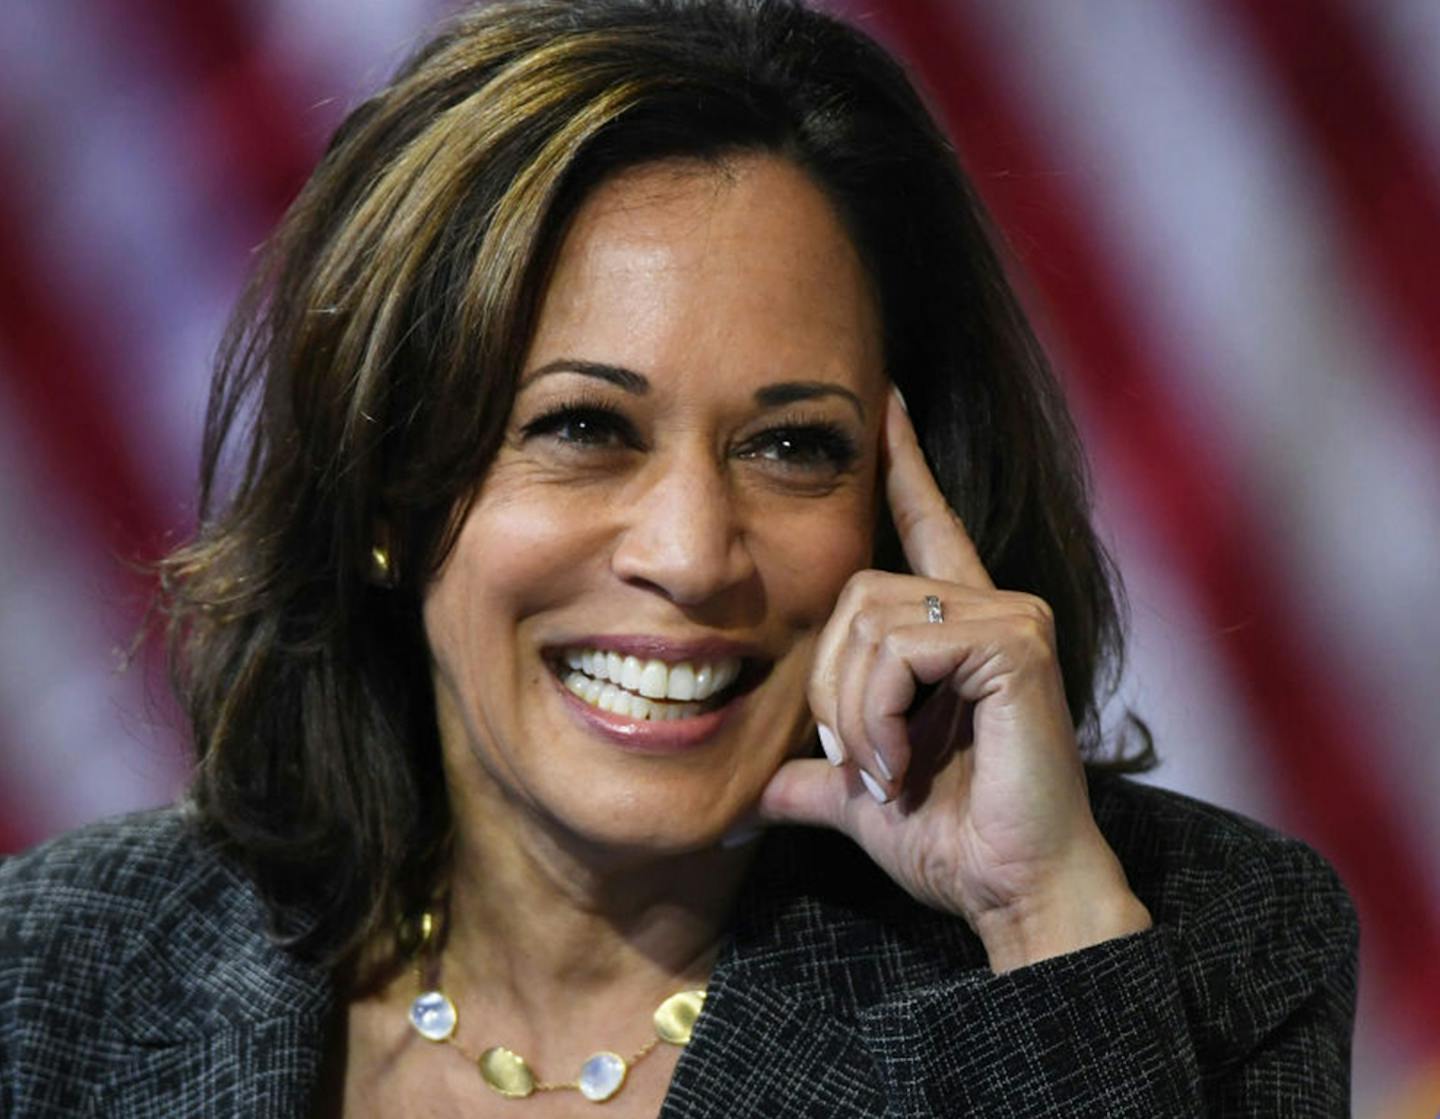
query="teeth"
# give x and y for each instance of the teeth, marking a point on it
(608, 697)
(627, 685)
(653, 679)
(681, 681)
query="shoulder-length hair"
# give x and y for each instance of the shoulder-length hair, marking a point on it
(367, 376)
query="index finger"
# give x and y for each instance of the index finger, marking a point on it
(931, 533)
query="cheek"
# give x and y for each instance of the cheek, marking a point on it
(808, 559)
(514, 557)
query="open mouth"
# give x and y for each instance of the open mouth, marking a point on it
(653, 690)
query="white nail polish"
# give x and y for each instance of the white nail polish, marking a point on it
(834, 754)
(900, 396)
(874, 788)
(880, 766)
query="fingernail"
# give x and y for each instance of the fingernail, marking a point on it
(834, 753)
(880, 766)
(874, 788)
(900, 396)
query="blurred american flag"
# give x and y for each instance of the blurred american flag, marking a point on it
(1225, 215)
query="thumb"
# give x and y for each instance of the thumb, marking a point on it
(806, 791)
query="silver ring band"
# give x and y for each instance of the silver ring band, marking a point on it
(934, 612)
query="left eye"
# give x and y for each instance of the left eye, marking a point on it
(808, 447)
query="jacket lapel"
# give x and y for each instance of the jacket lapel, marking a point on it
(761, 1052)
(821, 938)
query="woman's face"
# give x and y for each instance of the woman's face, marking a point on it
(687, 481)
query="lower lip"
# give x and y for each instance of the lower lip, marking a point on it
(671, 736)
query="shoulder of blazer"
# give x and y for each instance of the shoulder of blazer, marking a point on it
(1184, 856)
(128, 946)
(149, 913)
(1260, 926)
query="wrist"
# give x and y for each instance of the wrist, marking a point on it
(1078, 910)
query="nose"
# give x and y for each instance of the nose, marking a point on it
(682, 533)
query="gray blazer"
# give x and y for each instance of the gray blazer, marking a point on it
(136, 981)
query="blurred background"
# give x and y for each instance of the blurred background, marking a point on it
(1224, 215)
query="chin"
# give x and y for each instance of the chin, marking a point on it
(655, 819)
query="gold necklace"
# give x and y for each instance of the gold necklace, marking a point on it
(435, 1018)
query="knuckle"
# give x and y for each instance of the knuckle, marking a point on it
(868, 626)
(1035, 612)
(1035, 643)
(864, 585)
(1030, 629)
(1043, 609)
(852, 594)
(1035, 631)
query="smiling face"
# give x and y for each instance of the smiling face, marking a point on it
(687, 480)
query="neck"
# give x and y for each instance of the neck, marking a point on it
(543, 920)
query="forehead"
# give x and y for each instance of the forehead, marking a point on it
(688, 268)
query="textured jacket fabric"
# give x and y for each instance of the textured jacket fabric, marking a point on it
(136, 981)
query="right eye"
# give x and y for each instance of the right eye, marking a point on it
(584, 426)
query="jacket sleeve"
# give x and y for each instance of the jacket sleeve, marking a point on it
(1239, 1002)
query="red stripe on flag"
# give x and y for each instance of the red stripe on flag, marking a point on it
(259, 134)
(18, 829)
(246, 123)
(58, 384)
(1356, 126)
(1319, 754)
(59, 368)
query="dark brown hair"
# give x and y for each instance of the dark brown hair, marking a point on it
(368, 374)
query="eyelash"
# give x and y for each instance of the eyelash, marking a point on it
(823, 445)
(600, 417)
(586, 424)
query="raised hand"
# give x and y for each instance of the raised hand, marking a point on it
(976, 803)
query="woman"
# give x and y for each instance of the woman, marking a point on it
(583, 546)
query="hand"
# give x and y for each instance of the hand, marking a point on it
(977, 804)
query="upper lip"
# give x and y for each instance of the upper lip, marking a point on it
(648, 646)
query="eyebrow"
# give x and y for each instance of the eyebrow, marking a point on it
(637, 384)
(788, 392)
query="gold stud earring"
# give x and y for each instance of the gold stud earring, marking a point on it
(382, 568)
